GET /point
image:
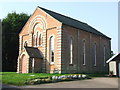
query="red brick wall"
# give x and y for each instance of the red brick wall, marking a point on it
(62, 34)
(53, 32)
(52, 26)
(90, 39)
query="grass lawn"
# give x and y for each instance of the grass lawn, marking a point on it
(97, 75)
(20, 79)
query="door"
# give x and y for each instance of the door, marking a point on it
(24, 64)
(119, 69)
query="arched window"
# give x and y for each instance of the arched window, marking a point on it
(104, 55)
(95, 54)
(51, 50)
(84, 52)
(36, 39)
(40, 39)
(25, 44)
(71, 50)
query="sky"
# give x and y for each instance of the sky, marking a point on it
(103, 16)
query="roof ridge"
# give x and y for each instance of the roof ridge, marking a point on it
(63, 15)
(73, 22)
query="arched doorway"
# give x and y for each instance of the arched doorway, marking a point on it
(24, 64)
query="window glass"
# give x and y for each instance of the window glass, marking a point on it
(95, 54)
(84, 53)
(71, 51)
(51, 49)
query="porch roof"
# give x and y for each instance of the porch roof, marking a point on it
(116, 57)
(33, 52)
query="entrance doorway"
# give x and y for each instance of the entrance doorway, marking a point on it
(24, 64)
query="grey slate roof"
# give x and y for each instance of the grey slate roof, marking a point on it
(72, 22)
(33, 52)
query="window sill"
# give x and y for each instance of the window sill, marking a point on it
(71, 64)
(40, 45)
(52, 63)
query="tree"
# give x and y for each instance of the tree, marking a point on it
(112, 53)
(11, 27)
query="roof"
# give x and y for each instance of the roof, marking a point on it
(114, 58)
(73, 22)
(33, 52)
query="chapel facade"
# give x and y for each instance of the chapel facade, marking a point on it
(53, 43)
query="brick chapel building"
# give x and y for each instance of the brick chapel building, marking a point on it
(53, 43)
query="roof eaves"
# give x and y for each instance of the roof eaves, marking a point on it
(111, 58)
(74, 20)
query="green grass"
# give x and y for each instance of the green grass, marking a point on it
(20, 79)
(97, 75)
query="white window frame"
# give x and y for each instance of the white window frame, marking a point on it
(95, 54)
(71, 50)
(84, 52)
(36, 38)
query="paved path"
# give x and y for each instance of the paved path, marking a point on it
(89, 83)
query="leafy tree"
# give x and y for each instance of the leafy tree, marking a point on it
(112, 53)
(11, 27)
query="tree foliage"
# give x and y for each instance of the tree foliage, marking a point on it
(112, 53)
(11, 27)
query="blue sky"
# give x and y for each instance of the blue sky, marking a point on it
(101, 15)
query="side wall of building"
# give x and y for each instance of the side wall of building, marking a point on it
(78, 57)
(118, 68)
